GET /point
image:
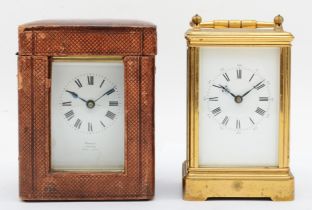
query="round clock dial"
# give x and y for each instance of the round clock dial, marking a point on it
(90, 103)
(238, 98)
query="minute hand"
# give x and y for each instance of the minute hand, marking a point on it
(252, 88)
(106, 93)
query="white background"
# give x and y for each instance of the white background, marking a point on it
(172, 18)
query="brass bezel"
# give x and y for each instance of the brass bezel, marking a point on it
(201, 183)
(87, 58)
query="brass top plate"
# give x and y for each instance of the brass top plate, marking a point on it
(237, 32)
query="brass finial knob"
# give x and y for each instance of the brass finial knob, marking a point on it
(278, 20)
(196, 20)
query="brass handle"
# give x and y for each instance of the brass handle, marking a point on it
(253, 24)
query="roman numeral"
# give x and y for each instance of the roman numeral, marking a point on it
(110, 91)
(102, 83)
(113, 103)
(213, 99)
(259, 86)
(69, 115)
(251, 120)
(251, 77)
(260, 111)
(90, 129)
(102, 124)
(238, 124)
(225, 120)
(216, 111)
(90, 80)
(226, 77)
(239, 73)
(68, 103)
(77, 81)
(78, 123)
(263, 98)
(110, 115)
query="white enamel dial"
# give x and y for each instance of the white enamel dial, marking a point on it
(87, 115)
(238, 106)
(238, 98)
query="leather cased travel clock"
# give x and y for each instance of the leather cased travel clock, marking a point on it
(86, 110)
(238, 110)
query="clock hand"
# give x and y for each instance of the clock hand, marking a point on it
(110, 91)
(252, 88)
(224, 88)
(75, 95)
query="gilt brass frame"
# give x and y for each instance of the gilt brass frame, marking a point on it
(200, 183)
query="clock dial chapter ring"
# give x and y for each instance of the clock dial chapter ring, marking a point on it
(228, 103)
(82, 108)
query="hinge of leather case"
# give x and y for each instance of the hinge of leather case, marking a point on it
(19, 80)
(48, 83)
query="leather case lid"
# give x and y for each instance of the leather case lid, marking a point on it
(87, 23)
(87, 37)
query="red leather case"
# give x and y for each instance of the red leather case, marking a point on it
(38, 43)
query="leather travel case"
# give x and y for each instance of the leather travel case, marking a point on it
(39, 42)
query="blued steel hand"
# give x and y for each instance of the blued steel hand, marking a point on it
(75, 95)
(252, 88)
(110, 91)
(224, 88)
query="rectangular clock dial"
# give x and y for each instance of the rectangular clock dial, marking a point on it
(87, 115)
(239, 106)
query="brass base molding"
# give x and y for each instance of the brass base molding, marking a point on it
(278, 184)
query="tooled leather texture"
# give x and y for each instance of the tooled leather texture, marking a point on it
(37, 45)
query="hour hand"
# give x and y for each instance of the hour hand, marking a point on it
(225, 89)
(75, 95)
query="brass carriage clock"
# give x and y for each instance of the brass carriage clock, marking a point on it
(238, 110)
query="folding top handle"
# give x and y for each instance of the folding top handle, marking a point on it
(248, 24)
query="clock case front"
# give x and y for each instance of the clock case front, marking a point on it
(201, 183)
(39, 42)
